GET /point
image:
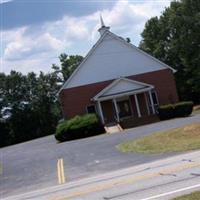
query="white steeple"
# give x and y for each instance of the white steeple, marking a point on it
(102, 22)
(103, 27)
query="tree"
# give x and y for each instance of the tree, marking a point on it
(174, 38)
(32, 105)
(68, 65)
(28, 103)
(4, 134)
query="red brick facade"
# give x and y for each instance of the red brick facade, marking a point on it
(133, 121)
(75, 100)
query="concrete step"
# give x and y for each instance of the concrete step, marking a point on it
(113, 128)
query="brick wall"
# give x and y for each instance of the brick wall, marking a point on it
(164, 83)
(74, 100)
(133, 122)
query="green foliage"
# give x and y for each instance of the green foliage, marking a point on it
(181, 109)
(68, 65)
(166, 111)
(78, 127)
(174, 38)
(31, 101)
(4, 134)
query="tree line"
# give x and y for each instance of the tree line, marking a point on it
(174, 38)
(28, 103)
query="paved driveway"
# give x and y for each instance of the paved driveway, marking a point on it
(32, 165)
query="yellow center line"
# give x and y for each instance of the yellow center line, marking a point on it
(91, 189)
(60, 171)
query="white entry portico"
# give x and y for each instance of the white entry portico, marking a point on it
(119, 92)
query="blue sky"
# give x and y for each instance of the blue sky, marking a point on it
(35, 32)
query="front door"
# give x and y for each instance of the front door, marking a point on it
(108, 111)
(124, 108)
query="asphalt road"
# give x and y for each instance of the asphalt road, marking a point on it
(158, 180)
(33, 165)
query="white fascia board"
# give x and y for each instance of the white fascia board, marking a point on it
(115, 82)
(84, 60)
(123, 94)
(136, 82)
(143, 52)
(106, 88)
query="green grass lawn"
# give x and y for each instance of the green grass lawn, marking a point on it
(175, 140)
(196, 110)
(192, 196)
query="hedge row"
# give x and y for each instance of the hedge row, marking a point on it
(181, 109)
(78, 127)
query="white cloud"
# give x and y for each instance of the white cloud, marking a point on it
(4, 1)
(36, 48)
(27, 65)
(128, 18)
(26, 47)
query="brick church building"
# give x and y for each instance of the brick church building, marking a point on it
(119, 82)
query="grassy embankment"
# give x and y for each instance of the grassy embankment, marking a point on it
(175, 140)
(196, 110)
(192, 196)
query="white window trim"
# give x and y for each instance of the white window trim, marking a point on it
(153, 91)
(149, 103)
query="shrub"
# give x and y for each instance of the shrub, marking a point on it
(6, 137)
(78, 127)
(166, 112)
(181, 109)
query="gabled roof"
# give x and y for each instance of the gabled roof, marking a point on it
(122, 86)
(141, 51)
(91, 52)
(84, 60)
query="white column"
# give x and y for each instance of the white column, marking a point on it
(116, 109)
(137, 105)
(100, 112)
(152, 104)
(147, 105)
